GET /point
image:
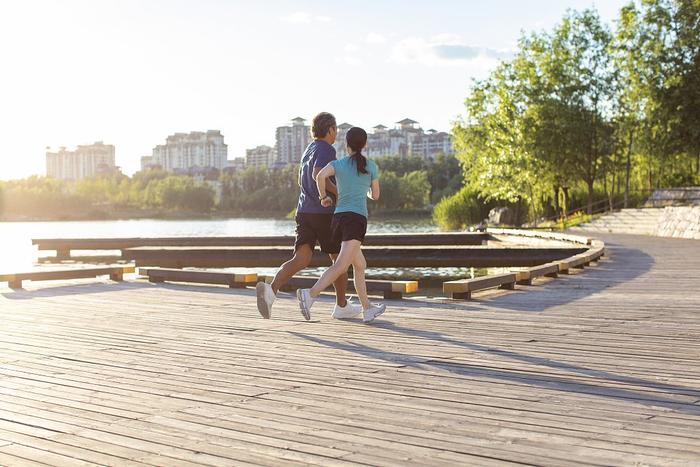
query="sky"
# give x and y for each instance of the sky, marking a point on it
(132, 72)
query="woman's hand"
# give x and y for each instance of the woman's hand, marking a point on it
(327, 202)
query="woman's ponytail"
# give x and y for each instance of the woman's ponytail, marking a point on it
(360, 162)
(356, 139)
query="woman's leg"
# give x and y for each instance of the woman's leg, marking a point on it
(358, 272)
(348, 250)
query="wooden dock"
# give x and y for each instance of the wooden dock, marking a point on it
(600, 367)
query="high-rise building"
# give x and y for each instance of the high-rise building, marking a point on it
(237, 164)
(86, 161)
(340, 148)
(431, 143)
(291, 141)
(407, 140)
(261, 157)
(184, 152)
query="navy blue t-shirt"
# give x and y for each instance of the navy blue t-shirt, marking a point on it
(317, 154)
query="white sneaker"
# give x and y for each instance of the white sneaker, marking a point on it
(374, 310)
(305, 302)
(266, 297)
(350, 310)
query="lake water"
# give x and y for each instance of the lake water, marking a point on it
(18, 254)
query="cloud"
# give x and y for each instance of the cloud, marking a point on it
(303, 17)
(374, 38)
(351, 48)
(443, 50)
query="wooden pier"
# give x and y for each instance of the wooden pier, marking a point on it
(600, 367)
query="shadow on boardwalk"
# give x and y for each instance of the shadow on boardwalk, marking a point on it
(557, 383)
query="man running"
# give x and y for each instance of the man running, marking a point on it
(313, 223)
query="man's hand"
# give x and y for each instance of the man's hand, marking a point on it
(327, 202)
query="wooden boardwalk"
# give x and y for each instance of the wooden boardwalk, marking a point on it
(600, 368)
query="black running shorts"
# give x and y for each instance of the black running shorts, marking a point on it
(348, 226)
(312, 228)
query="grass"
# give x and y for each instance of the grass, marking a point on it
(578, 217)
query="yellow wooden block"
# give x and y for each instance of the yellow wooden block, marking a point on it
(522, 275)
(247, 277)
(455, 286)
(404, 286)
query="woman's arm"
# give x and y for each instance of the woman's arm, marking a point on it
(330, 187)
(321, 178)
(373, 192)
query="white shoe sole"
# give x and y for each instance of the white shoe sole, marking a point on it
(263, 307)
(305, 309)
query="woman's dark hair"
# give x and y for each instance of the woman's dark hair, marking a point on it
(321, 124)
(356, 139)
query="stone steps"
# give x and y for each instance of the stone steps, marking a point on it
(667, 222)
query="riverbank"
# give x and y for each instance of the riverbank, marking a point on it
(423, 216)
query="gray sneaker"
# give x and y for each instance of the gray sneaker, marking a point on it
(374, 310)
(305, 302)
(266, 297)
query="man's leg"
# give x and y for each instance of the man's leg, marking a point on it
(300, 260)
(340, 285)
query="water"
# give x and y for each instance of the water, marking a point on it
(18, 254)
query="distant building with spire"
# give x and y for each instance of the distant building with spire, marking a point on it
(291, 141)
(407, 139)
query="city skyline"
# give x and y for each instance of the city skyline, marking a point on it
(128, 71)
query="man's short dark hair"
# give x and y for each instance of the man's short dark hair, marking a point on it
(321, 124)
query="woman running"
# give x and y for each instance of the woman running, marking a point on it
(356, 179)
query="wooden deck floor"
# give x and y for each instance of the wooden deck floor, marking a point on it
(599, 368)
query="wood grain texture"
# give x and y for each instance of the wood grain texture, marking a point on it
(598, 367)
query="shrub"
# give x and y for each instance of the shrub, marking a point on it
(458, 211)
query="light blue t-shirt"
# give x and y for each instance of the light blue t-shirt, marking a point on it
(353, 186)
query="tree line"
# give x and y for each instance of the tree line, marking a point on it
(407, 185)
(585, 114)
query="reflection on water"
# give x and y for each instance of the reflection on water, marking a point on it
(18, 254)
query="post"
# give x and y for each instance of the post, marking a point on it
(388, 294)
(461, 295)
(117, 276)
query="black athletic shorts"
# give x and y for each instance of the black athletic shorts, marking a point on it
(348, 226)
(312, 228)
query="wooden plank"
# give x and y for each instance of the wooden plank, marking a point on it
(462, 289)
(115, 273)
(216, 257)
(559, 236)
(200, 277)
(64, 245)
(547, 270)
(74, 273)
